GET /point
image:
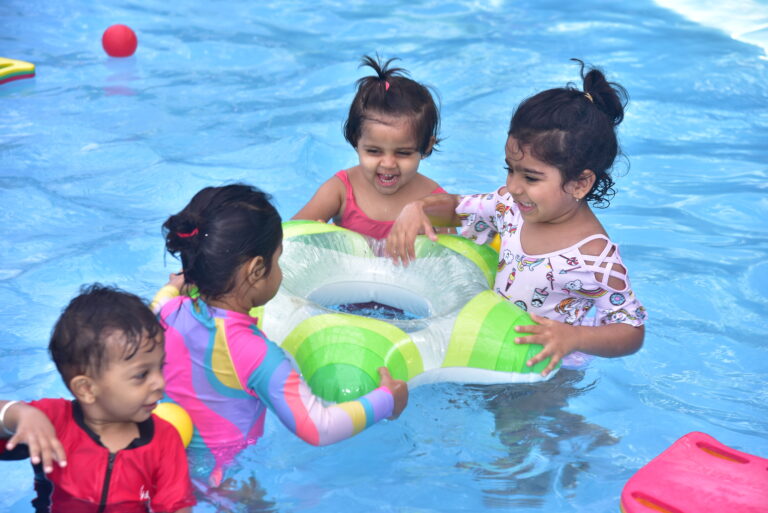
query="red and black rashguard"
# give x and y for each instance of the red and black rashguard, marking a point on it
(151, 472)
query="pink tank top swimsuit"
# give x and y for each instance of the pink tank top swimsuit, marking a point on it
(353, 218)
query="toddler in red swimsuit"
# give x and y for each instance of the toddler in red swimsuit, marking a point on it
(113, 454)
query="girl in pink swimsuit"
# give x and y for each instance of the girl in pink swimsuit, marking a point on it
(393, 124)
(556, 260)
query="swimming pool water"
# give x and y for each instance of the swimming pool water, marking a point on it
(96, 152)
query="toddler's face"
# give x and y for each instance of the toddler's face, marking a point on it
(128, 390)
(388, 153)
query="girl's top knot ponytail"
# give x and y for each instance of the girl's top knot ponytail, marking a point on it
(391, 92)
(609, 97)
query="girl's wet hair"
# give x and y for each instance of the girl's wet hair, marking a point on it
(392, 93)
(220, 229)
(78, 342)
(574, 129)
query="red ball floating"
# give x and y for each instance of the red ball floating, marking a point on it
(119, 41)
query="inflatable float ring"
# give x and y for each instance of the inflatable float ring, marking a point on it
(462, 331)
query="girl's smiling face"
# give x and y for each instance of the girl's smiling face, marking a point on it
(388, 153)
(537, 187)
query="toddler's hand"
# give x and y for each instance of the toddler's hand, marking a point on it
(35, 430)
(411, 222)
(557, 338)
(399, 391)
(177, 280)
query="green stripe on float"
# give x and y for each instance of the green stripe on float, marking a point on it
(493, 333)
(466, 329)
(299, 227)
(336, 239)
(392, 345)
(340, 383)
(484, 337)
(483, 256)
(324, 348)
(513, 357)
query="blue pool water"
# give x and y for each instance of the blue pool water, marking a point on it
(95, 153)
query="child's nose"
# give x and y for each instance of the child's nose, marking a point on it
(514, 183)
(388, 160)
(159, 382)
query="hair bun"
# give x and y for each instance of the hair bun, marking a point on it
(610, 97)
(182, 232)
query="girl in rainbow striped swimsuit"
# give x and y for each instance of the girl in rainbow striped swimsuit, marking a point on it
(221, 368)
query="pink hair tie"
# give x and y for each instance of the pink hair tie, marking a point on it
(187, 235)
(386, 85)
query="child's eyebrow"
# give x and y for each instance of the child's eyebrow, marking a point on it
(526, 169)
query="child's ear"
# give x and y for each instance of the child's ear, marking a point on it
(83, 388)
(581, 186)
(255, 269)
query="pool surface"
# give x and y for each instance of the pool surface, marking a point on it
(96, 152)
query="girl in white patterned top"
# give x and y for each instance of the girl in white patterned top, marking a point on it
(555, 260)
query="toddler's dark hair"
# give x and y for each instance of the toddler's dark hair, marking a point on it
(574, 129)
(77, 343)
(392, 93)
(220, 229)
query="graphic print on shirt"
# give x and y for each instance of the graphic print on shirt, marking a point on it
(574, 308)
(481, 226)
(524, 262)
(506, 259)
(550, 275)
(539, 297)
(577, 288)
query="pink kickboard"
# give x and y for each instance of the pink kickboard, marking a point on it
(698, 474)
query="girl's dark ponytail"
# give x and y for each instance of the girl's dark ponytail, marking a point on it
(611, 98)
(220, 229)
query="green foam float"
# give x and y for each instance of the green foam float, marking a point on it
(466, 333)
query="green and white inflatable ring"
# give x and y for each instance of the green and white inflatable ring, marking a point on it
(463, 332)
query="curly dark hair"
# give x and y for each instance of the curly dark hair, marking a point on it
(575, 129)
(77, 343)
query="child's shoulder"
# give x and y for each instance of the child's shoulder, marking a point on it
(53, 406)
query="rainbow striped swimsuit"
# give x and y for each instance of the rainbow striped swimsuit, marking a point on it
(226, 373)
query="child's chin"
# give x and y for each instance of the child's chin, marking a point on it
(388, 189)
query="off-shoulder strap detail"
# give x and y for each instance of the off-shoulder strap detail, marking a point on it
(604, 263)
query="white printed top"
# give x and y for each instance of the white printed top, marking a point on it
(560, 285)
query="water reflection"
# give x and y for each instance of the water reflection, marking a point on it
(546, 446)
